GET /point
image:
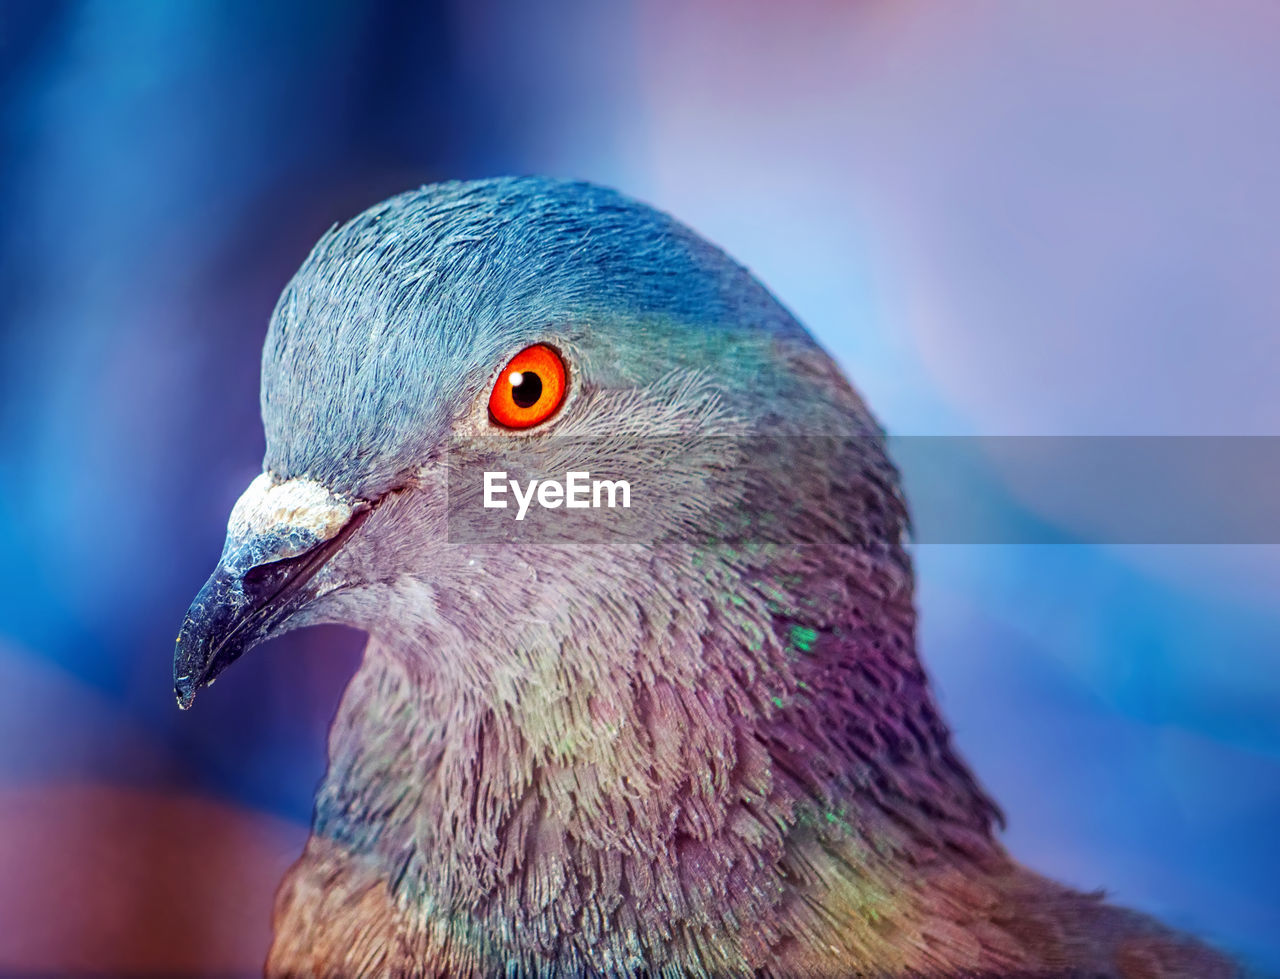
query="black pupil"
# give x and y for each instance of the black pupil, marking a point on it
(528, 391)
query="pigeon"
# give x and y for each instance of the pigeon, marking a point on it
(678, 731)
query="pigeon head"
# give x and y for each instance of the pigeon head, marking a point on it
(378, 374)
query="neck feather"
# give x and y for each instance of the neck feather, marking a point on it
(696, 816)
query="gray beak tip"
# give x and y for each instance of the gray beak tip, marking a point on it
(185, 693)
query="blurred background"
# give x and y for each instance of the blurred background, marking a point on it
(1001, 218)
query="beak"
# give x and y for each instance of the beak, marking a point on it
(280, 537)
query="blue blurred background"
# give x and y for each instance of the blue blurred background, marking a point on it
(1001, 218)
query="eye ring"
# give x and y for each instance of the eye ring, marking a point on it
(529, 389)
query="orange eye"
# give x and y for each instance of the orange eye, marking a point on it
(529, 389)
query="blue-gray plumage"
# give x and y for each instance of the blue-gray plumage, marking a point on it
(697, 742)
